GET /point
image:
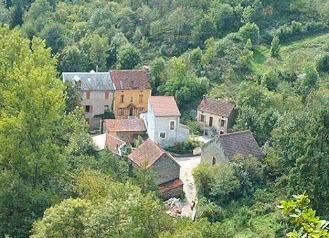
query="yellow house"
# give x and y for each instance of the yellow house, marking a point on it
(132, 91)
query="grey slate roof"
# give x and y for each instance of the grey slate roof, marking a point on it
(93, 81)
(239, 143)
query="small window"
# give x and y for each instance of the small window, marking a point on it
(121, 98)
(131, 99)
(107, 95)
(163, 135)
(222, 123)
(141, 98)
(202, 117)
(87, 95)
(87, 108)
(172, 125)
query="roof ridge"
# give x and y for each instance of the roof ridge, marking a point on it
(233, 133)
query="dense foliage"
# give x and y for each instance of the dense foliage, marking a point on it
(269, 57)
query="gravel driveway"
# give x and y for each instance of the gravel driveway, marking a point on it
(187, 165)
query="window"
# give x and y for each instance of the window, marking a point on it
(222, 123)
(172, 125)
(202, 117)
(121, 98)
(121, 111)
(140, 110)
(141, 98)
(88, 108)
(107, 95)
(163, 135)
(131, 99)
(87, 95)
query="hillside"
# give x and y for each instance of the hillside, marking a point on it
(269, 58)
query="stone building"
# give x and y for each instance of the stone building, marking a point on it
(225, 147)
(132, 90)
(97, 93)
(215, 116)
(162, 163)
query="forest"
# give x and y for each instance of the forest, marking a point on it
(270, 58)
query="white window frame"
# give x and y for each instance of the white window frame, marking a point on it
(164, 135)
(170, 125)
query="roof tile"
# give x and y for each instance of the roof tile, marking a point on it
(216, 107)
(164, 106)
(97, 81)
(148, 153)
(130, 79)
(125, 125)
(239, 143)
(113, 143)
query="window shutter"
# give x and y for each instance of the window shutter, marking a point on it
(91, 108)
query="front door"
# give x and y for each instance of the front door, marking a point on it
(210, 121)
(131, 111)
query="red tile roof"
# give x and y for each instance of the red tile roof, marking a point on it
(165, 187)
(148, 153)
(113, 143)
(125, 125)
(239, 143)
(216, 107)
(130, 79)
(164, 106)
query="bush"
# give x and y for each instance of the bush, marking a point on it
(322, 64)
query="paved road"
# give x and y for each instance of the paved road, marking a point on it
(187, 165)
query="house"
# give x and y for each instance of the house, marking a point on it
(163, 164)
(132, 90)
(215, 115)
(109, 142)
(162, 121)
(225, 147)
(126, 130)
(97, 92)
(114, 144)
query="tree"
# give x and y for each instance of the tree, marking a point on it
(275, 47)
(128, 57)
(302, 217)
(63, 220)
(31, 117)
(250, 31)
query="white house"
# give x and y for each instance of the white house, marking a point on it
(162, 121)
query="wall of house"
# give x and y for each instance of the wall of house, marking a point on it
(130, 98)
(166, 169)
(97, 101)
(216, 122)
(212, 152)
(175, 192)
(150, 122)
(183, 134)
(163, 125)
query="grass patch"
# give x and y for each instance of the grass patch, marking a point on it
(294, 55)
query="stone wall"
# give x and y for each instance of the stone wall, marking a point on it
(166, 169)
(213, 153)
